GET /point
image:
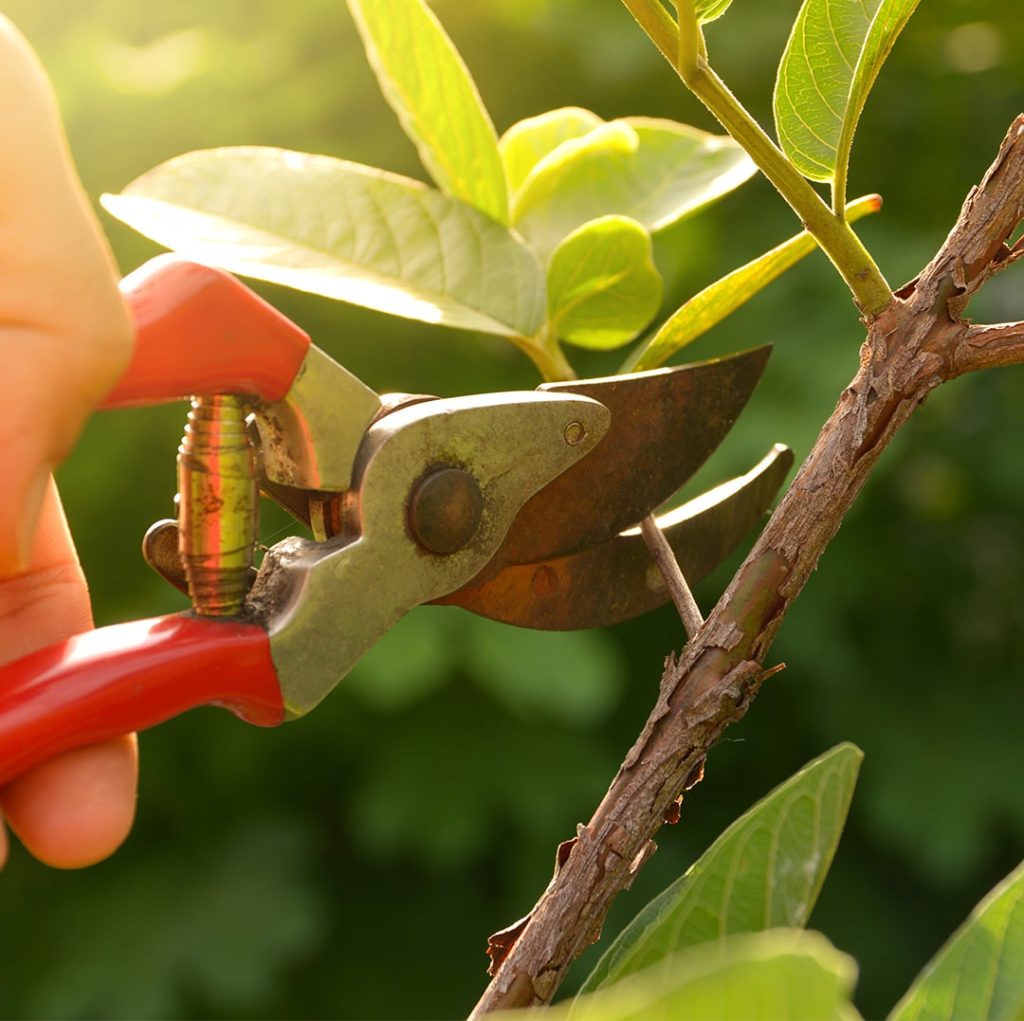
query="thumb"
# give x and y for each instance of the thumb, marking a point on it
(76, 808)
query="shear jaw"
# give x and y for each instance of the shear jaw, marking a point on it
(460, 469)
(309, 438)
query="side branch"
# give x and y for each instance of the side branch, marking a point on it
(919, 341)
(991, 347)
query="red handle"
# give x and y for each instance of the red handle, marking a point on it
(131, 676)
(199, 330)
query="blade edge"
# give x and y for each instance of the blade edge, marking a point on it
(617, 580)
(665, 424)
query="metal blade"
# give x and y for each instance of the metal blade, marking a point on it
(324, 604)
(617, 580)
(665, 424)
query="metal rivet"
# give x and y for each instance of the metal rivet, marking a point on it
(575, 432)
(445, 510)
(544, 581)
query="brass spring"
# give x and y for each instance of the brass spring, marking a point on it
(218, 505)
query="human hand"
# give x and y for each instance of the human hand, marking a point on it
(65, 338)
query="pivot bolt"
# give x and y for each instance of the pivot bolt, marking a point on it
(575, 433)
(445, 510)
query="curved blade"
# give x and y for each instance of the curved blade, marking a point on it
(617, 579)
(665, 424)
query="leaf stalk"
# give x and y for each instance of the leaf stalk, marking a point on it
(691, 47)
(831, 231)
(546, 354)
(710, 306)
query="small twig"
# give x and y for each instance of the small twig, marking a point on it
(675, 581)
(989, 347)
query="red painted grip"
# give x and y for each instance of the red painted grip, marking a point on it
(198, 330)
(126, 677)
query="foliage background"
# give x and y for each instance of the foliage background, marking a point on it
(352, 865)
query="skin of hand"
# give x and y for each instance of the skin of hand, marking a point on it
(65, 338)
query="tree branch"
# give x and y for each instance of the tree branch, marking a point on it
(991, 347)
(919, 341)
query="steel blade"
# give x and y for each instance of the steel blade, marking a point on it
(617, 580)
(665, 424)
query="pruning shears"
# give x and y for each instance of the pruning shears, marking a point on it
(518, 506)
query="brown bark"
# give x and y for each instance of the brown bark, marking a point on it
(919, 341)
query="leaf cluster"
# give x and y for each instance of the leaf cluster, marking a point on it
(542, 236)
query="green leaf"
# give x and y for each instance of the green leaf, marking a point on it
(528, 141)
(654, 171)
(781, 975)
(427, 84)
(708, 10)
(833, 56)
(772, 976)
(719, 300)
(764, 871)
(603, 286)
(979, 973)
(342, 230)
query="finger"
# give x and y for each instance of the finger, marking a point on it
(64, 337)
(78, 808)
(64, 331)
(48, 600)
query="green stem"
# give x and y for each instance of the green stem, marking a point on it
(839, 190)
(546, 353)
(691, 47)
(718, 300)
(833, 234)
(657, 23)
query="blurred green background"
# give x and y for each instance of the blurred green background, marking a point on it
(353, 864)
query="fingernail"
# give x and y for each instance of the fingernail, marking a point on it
(28, 516)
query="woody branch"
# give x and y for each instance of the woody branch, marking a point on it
(920, 340)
